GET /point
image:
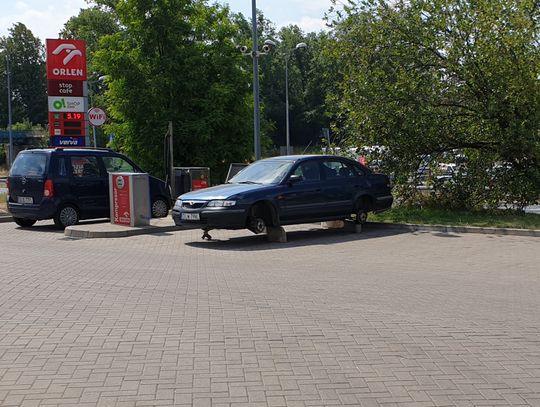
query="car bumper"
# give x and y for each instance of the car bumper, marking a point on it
(44, 210)
(218, 218)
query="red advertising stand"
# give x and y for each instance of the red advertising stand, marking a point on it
(129, 198)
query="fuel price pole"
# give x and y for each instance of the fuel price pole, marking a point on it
(66, 88)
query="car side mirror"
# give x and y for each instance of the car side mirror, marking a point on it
(293, 179)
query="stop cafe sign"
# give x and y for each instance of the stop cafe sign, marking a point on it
(97, 116)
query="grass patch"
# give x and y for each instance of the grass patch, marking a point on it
(3, 195)
(3, 204)
(496, 219)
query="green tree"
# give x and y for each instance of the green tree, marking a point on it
(175, 61)
(307, 108)
(90, 25)
(28, 82)
(307, 88)
(432, 78)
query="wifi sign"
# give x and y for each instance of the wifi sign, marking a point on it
(97, 116)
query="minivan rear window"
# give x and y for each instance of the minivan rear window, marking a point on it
(29, 165)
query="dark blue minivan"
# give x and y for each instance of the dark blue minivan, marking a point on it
(71, 184)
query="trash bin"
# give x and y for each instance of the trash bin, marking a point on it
(190, 179)
(129, 198)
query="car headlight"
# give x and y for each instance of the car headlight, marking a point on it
(220, 203)
(178, 203)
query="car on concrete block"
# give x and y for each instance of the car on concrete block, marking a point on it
(287, 190)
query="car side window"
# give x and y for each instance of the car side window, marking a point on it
(84, 167)
(358, 170)
(117, 164)
(334, 169)
(309, 170)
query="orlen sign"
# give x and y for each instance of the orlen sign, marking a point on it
(66, 59)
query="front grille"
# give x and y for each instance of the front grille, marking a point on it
(192, 204)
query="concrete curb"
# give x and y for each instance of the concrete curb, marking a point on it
(125, 231)
(75, 232)
(5, 218)
(458, 229)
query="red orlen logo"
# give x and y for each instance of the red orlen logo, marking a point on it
(66, 59)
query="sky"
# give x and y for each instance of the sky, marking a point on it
(45, 18)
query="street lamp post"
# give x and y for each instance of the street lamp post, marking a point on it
(9, 112)
(256, 111)
(255, 54)
(287, 56)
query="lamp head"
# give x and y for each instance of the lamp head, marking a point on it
(268, 46)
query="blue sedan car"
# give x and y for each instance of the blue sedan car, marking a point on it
(287, 190)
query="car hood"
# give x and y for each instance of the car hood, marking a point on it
(221, 191)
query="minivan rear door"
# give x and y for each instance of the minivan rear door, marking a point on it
(27, 177)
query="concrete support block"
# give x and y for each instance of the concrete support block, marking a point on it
(333, 224)
(276, 234)
(346, 225)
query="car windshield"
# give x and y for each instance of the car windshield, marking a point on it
(263, 172)
(29, 165)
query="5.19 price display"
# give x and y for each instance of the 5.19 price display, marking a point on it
(73, 116)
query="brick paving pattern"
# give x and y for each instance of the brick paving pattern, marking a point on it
(381, 318)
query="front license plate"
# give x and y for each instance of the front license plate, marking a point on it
(25, 200)
(190, 216)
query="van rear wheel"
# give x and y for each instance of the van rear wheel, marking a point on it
(66, 216)
(24, 223)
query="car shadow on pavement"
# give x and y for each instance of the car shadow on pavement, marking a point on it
(296, 238)
(50, 227)
(40, 228)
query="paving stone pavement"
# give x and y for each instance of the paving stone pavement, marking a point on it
(381, 318)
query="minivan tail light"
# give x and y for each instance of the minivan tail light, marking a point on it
(48, 189)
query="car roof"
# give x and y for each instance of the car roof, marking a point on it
(50, 150)
(303, 157)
